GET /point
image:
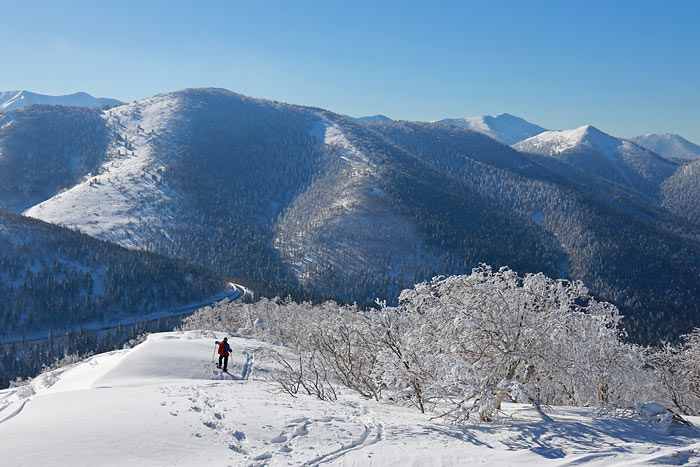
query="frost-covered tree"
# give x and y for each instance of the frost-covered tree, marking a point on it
(494, 335)
(677, 367)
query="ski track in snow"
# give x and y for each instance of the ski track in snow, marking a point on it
(16, 412)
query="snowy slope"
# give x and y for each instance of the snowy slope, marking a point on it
(127, 203)
(13, 100)
(162, 403)
(506, 128)
(591, 152)
(669, 145)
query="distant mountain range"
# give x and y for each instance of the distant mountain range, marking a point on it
(13, 100)
(670, 146)
(510, 130)
(373, 118)
(303, 201)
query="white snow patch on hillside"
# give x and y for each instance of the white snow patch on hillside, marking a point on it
(163, 403)
(126, 203)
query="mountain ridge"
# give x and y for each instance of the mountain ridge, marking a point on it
(320, 206)
(13, 100)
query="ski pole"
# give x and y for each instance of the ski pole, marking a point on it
(214, 354)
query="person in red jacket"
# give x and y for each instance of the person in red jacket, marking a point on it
(224, 352)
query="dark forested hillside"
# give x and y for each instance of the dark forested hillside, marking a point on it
(55, 278)
(44, 149)
(680, 192)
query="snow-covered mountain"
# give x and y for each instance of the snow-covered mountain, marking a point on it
(373, 118)
(164, 400)
(591, 152)
(669, 145)
(13, 100)
(505, 127)
(302, 201)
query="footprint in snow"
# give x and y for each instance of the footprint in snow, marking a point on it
(302, 430)
(279, 439)
(285, 448)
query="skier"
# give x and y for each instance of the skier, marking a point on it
(224, 351)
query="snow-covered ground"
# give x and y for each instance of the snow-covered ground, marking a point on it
(163, 403)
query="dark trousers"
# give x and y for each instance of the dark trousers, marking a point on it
(225, 359)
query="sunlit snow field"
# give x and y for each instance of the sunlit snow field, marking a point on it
(163, 403)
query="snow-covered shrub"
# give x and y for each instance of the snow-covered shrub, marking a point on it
(464, 344)
(140, 339)
(678, 370)
(493, 335)
(653, 412)
(49, 378)
(303, 372)
(25, 387)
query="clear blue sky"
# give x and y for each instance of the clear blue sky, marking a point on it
(627, 67)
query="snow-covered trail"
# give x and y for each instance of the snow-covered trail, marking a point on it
(163, 403)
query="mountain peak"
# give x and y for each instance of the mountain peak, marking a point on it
(505, 127)
(557, 141)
